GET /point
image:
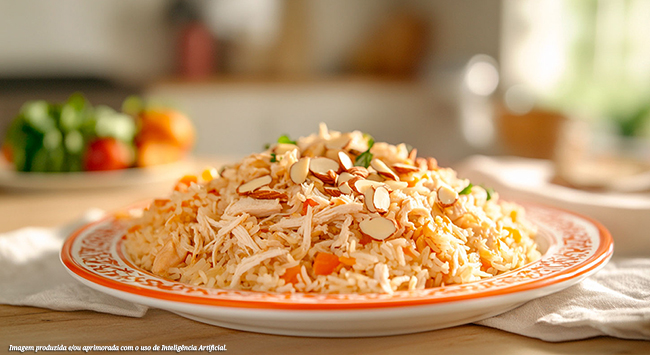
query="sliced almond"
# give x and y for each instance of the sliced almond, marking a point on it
(331, 177)
(359, 171)
(266, 193)
(299, 170)
(421, 163)
(314, 150)
(383, 169)
(373, 176)
(405, 168)
(332, 154)
(345, 161)
(351, 183)
(318, 183)
(254, 184)
(361, 185)
(343, 177)
(368, 199)
(381, 199)
(413, 154)
(321, 166)
(446, 196)
(358, 145)
(332, 191)
(282, 148)
(339, 142)
(379, 228)
(432, 163)
(345, 188)
(396, 185)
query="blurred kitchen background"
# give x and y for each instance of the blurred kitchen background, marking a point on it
(562, 80)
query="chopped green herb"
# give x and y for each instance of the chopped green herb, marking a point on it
(466, 190)
(274, 158)
(285, 139)
(369, 139)
(267, 146)
(490, 192)
(364, 158)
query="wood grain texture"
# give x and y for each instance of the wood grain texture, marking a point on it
(35, 326)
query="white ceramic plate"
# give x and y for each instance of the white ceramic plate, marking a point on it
(12, 179)
(573, 248)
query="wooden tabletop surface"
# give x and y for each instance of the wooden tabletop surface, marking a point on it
(35, 326)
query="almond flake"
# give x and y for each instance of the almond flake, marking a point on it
(331, 177)
(345, 188)
(381, 199)
(368, 199)
(345, 161)
(282, 148)
(405, 168)
(361, 185)
(373, 176)
(333, 191)
(383, 169)
(254, 184)
(432, 163)
(413, 154)
(332, 154)
(266, 193)
(446, 196)
(343, 177)
(396, 185)
(422, 164)
(359, 171)
(321, 166)
(314, 150)
(340, 142)
(379, 228)
(299, 170)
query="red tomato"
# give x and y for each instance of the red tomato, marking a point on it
(107, 154)
(6, 151)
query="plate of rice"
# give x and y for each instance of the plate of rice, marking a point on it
(335, 235)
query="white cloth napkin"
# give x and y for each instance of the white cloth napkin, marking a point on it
(31, 273)
(616, 300)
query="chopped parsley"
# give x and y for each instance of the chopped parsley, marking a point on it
(466, 190)
(286, 140)
(365, 158)
(490, 192)
(274, 158)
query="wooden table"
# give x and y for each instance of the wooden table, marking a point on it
(36, 326)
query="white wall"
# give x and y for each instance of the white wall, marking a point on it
(123, 39)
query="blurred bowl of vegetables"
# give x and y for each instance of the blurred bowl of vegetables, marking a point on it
(54, 145)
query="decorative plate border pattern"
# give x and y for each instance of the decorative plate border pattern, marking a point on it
(576, 245)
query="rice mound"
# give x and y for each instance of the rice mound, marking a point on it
(306, 237)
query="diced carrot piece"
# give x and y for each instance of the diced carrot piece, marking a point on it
(291, 274)
(325, 263)
(347, 261)
(185, 182)
(305, 205)
(407, 251)
(365, 239)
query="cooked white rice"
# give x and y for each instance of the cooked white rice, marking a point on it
(302, 237)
